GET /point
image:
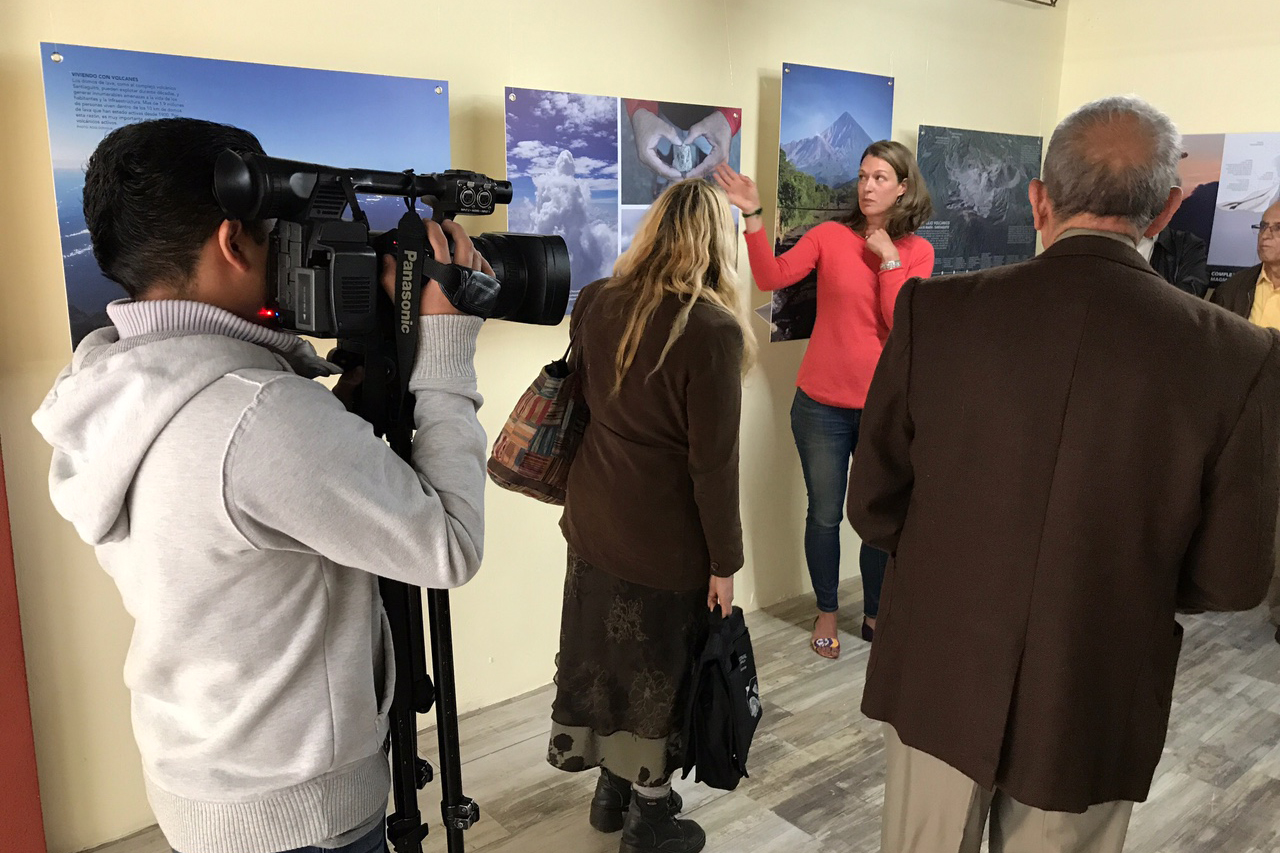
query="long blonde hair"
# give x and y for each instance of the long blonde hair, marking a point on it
(685, 245)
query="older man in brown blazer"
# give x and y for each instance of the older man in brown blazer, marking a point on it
(1254, 294)
(1059, 455)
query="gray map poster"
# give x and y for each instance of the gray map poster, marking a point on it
(978, 181)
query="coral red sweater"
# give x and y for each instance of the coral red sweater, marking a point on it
(855, 303)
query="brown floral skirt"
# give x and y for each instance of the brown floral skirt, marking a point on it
(622, 675)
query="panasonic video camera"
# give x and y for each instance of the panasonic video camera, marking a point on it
(323, 275)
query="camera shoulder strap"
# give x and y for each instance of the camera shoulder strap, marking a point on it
(411, 241)
(572, 351)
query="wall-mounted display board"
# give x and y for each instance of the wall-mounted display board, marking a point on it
(829, 117)
(978, 182)
(335, 118)
(1228, 182)
(587, 167)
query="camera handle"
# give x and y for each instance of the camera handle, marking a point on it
(386, 402)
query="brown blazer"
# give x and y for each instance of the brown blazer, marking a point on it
(653, 491)
(1236, 293)
(1059, 454)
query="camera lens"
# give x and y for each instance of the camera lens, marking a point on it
(534, 273)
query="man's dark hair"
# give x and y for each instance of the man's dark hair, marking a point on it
(148, 199)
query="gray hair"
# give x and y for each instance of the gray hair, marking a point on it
(1116, 157)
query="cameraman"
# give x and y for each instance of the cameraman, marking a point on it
(245, 514)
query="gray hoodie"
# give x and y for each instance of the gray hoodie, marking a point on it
(244, 515)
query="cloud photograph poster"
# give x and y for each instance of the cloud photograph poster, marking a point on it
(587, 167)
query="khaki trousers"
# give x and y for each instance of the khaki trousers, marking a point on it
(930, 807)
(1273, 594)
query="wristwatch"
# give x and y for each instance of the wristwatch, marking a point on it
(890, 265)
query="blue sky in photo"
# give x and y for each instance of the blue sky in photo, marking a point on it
(541, 124)
(562, 161)
(336, 118)
(813, 98)
(333, 118)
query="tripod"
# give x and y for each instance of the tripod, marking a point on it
(415, 695)
(385, 401)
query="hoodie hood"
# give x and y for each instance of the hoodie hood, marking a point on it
(123, 386)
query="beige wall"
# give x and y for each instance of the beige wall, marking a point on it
(986, 64)
(1207, 65)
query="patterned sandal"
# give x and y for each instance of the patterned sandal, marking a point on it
(826, 647)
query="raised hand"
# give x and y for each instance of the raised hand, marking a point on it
(740, 189)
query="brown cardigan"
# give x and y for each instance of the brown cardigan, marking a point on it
(1059, 454)
(653, 492)
(1236, 293)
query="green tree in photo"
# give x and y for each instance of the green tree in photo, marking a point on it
(800, 195)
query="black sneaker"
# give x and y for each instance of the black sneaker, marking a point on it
(651, 827)
(613, 798)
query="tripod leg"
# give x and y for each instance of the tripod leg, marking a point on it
(459, 811)
(405, 829)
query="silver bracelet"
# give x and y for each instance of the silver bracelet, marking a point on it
(890, 265)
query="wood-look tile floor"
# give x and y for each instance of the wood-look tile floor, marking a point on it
(817, 768)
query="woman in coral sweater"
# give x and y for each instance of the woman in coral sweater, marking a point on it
(862, 260)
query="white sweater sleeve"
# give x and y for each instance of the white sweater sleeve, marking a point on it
(302, 473)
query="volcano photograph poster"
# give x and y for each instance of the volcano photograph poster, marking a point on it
(335, 118)
(829, 117)
(1228, 182)
(587, 167)
(978, 182)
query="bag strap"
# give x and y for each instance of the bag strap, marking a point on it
(577, 332)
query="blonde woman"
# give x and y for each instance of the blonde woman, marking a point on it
(651, 516)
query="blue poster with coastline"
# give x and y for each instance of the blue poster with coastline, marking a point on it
(336, 118)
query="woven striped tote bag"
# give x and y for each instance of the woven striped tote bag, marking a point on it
(536, 446)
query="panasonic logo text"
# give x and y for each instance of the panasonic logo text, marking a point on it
(406, 291)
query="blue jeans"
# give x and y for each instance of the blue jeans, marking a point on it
(375, 841)
(826, 436)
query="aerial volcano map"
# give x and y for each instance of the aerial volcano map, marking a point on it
(978, 181)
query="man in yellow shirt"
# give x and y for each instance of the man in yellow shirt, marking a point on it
(1254, 293)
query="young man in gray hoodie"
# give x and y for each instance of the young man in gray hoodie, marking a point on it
(245, 514)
